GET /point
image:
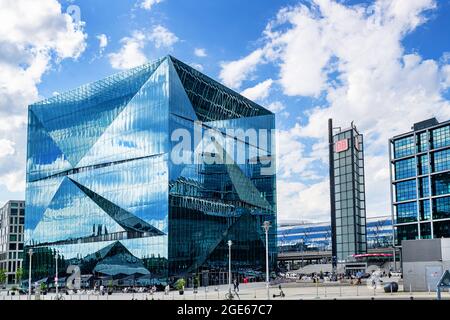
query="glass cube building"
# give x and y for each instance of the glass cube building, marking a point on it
(420, 181)
(106, 190)
(347, 193)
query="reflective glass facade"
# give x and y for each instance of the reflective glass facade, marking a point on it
(349, 194)
(104, 191)
(420, 171)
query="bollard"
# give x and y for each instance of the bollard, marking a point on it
(357, 290)
(391, 289)
(325, 291)
(317, 290)
(218, 296)
(340, 290)
(255, 294)
(429, 290)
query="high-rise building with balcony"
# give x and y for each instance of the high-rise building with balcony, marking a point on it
(12, 216)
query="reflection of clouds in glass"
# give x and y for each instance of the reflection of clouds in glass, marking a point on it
(80, 250)
(39, 170)
(146, 247)
(140, 187)
(140, 129)
(72, 216)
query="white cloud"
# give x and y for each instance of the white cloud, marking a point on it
(233, 73)
(32, 37)
(6, 148)
(200, 52)
(131, 53)
(354, 56)
(162, 37)
(446, 77)
(301, 202)
(258, 92)
(148, 4)
(276, 107)
(102, 40)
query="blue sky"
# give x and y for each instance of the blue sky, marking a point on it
(384, 64)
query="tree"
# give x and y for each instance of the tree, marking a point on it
(179, 285)
(2, 276)
(19, 275)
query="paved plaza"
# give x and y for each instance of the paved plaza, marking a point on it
(257, 291)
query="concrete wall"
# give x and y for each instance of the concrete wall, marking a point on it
(424, 262)
(419, 276)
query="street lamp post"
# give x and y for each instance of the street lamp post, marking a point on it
(229, 265)
(30, 252)
(56, 275)
(266, 226)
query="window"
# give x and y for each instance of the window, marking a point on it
(407, 232)
(441, 184)
(441, 208)
(441, 229)
(423, 164)
(441, 137)
(425, 212)
(424, 188)
(405, 190)
(423, 141)
(425, 230)
(441, 160)
(405, 168)
(404, 147)
(406, 212)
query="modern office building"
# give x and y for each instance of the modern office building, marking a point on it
(420, 181)
(111, 188)
(347, 194)
(12, 217)
(317, 236)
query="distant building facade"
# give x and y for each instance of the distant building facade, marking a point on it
(347, 192)
(12, 216)
(420, 181)
(317, 236)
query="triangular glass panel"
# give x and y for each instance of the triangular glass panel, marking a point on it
(72, 215)
(212, 100)
(140, 129)
(44, 157)
(76, 119)
(125, 219)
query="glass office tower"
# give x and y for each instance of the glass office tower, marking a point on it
(107, 191)
(420, 181)
(347, 194)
